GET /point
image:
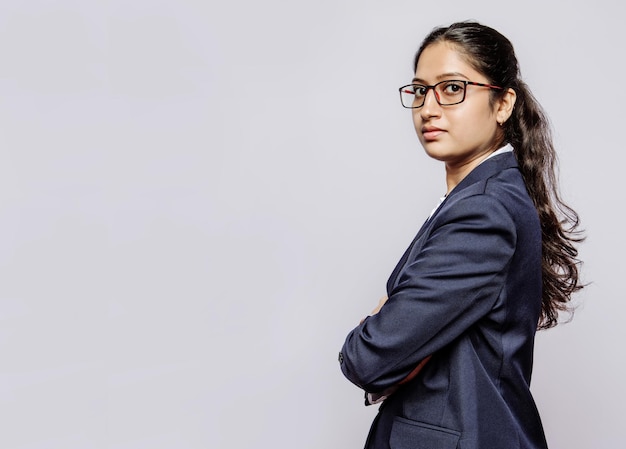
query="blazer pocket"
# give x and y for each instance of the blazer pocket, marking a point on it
(407, 434)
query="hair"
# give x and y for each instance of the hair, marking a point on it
(528, 131)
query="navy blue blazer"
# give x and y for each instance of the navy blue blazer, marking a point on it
(467, 291)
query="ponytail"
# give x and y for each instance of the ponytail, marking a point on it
(529, 133)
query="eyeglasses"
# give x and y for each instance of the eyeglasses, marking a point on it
(447, 92)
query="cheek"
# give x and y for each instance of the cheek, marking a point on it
(474, 124)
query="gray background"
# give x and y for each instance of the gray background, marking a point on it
(200, 199)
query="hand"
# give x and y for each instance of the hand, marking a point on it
(415, 371)
(381, 303)
(375, 398)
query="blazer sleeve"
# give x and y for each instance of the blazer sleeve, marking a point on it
(452, 282)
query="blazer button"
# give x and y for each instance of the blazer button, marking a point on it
(340, 357)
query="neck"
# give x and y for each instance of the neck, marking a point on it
(459, 169)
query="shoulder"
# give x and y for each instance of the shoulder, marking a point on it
(476, 214)
(497, 206)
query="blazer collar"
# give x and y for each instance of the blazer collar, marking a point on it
(486, 170)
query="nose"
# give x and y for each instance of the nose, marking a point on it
(431, 105)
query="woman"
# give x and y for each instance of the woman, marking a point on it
(449, 351)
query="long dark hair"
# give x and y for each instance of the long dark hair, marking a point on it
(528, 131)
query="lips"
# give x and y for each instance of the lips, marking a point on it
(431, 132)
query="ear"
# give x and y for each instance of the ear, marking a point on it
(505, 106)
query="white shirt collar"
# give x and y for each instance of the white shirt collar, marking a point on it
(505, 149)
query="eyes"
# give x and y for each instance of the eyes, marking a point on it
(446, 89)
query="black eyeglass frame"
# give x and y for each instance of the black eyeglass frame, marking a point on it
(465, 83)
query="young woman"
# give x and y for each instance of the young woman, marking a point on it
(449, 351)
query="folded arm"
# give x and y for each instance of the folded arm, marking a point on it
(452, 282)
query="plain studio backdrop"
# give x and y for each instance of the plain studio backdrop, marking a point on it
(200, 199)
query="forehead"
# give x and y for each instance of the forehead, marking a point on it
(441, 60)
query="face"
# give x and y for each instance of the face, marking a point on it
(459, 134)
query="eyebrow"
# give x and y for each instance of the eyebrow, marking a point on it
(441, 77)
